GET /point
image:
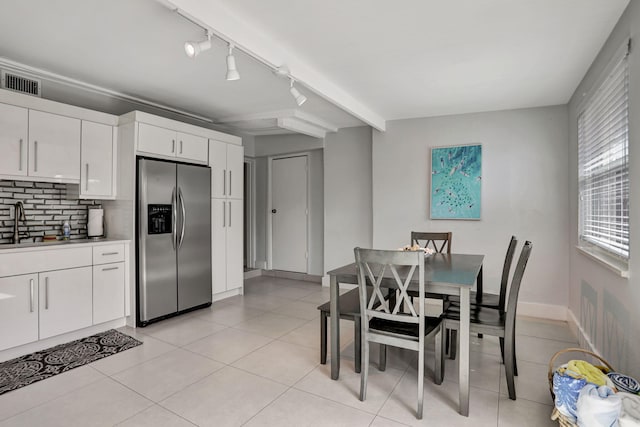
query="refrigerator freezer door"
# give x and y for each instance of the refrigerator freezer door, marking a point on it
(157, 282)
(194, 236)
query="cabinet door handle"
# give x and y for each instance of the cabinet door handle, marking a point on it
(224, 214)
(20, 164)
(180, 147)
(86, 184)
(31, 294)
(35, 156)
(46, 293)
(230, 183)
(224, 182)
(110, 253)
(109, 268)
(229, 214)
(173, 145)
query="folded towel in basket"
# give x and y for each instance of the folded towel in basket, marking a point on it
(598, 407)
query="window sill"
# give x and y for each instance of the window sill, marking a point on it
(618, 266)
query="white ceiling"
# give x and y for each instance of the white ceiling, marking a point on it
(358, 61)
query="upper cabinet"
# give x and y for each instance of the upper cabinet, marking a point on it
(227, 169)
(14, 122)
(43, 140)
(159, 141)
(54, 146)
(97, 161)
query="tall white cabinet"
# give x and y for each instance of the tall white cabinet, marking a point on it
(227, 188)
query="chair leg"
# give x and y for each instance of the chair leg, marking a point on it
(440, 344)
(357, 344)
(420, 380)
(515, 362)
(382, 363)
(323, 338)
(509, 365)
(453, 344)
(365, 370)
(502, 348)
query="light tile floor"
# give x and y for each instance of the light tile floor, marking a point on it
(254, 360)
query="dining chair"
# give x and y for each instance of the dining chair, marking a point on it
(489, 300)
(384, 321)
(349, 310)
(493, 321)
(438, 241)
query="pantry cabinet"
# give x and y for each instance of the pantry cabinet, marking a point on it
(227, 169)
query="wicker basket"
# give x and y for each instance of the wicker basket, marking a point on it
(556, 415)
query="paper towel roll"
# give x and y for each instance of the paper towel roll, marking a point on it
(94, 226)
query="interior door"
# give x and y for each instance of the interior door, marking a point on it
(194, 236)
(289, 213)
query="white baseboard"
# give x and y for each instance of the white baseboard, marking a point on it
(252, 273)
(542, 311)
(228, 294)
(325, 281)
(577, 330)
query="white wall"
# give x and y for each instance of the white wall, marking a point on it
(277, 145)
(524, 191)
(347, 200)
(613, 326)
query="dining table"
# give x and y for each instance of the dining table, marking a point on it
(445, 274)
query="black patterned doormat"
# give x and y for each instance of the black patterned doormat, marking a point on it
(25, 370)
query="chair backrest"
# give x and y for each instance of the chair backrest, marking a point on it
(384, 269)
(506, 269)
(438, 241)
(515, 286)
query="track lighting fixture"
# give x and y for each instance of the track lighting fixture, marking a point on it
(232, 71)
(300, 98)
(194, 48)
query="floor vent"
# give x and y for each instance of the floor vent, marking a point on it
(22, 84)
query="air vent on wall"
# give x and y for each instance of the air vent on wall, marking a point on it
(19, 83)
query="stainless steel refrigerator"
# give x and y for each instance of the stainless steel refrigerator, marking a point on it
(174, 239)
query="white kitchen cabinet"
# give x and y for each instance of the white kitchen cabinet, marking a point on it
(192, 147)
(227, 169)
(156, 140)
(14, 125)
(18, 310)
(65, 300)
(108, 292)
(227, 241)
(97, 161)
(54, 146)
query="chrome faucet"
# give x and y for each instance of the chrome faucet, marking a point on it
(19, 216)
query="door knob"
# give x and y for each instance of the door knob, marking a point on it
(273, 211)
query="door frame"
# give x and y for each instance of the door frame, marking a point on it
(250, 202)
(305, 154)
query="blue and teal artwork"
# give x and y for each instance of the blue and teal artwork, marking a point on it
(456, 181)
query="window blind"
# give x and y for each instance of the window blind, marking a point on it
(603, 164)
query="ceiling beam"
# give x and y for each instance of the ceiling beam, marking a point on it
(226, 25)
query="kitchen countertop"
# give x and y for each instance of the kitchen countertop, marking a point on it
(31, 246)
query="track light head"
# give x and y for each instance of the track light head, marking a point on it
(195, 48)
(232, 71)
(300, 98)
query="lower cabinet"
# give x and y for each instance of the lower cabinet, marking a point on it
(18, 310)
(108, 292)
(65, 301)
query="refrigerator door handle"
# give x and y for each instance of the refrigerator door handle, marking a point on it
(174, 212)
(184, 217)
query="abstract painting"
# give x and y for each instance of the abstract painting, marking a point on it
(456, 181)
